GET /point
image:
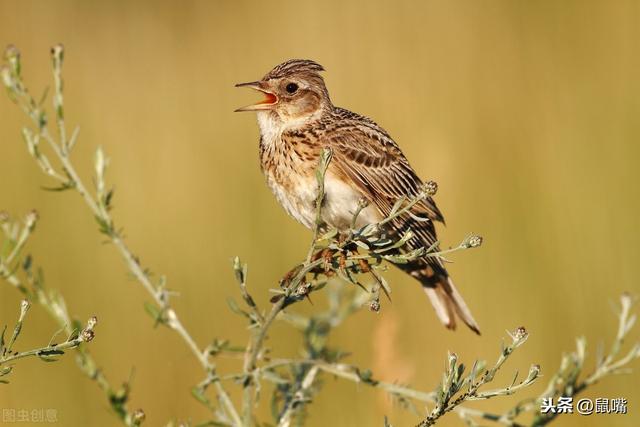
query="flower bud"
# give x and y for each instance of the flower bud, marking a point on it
(138, 416)
(534, 371)
(7, 78)
(24, 307)
(303, 290)
(91, 323)
(453, 359)
(520, 333)
(57, 52)
(430, 188)
(12, 55)
(87, 335)
(31, 218)
(472, 241)
(362, 203)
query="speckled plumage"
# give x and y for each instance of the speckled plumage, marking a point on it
(367, 163)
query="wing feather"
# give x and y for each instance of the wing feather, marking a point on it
(368, 157)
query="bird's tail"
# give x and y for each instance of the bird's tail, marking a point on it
(447, 301)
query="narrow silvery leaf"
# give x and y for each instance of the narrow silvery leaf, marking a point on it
(397, 205)
(362, 244)
(100, 163)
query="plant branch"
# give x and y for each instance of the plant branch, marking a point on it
(99, 206)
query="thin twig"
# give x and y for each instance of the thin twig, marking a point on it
(101, 212)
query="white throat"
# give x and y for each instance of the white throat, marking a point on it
(272, 126)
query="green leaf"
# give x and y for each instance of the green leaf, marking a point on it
(103, 226)
(48, 359)
(318, 286)
(63, 187)
(240, 270)
(385, 286)
(362, 244)
(51, 352)
(155, 312)
(27, 262)
(76, 326)
(333, 232)
(108, 198)
(236, 309)
(43, 98)
(198, 393)
(369, 230)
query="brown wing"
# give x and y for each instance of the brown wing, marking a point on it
(366, 155)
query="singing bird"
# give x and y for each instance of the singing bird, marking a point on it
(297, 120)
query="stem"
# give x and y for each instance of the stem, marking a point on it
(61, 151)
(321, 171)
(257, 340)
(307, 382)
(43, 350)
(251, 357)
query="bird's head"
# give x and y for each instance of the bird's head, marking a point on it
(294, 93)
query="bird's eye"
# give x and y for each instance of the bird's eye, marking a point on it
(292, 88)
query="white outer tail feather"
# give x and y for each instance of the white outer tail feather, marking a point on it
(447, 302)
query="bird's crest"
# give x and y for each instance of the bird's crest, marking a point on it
(294, 66)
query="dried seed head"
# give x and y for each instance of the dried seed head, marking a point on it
(453, 358)
(534, 371)
(12, 56)
(11, 51)
(303, 290)
(24, 307)
(87, 335)
(520, 333)
(431, 188)
(7, 78)
(374, 305)
(472, 241)
(626, 299)
(91, 323)
(138, 416)
(31, 218)
(363, 203)
(57, 51)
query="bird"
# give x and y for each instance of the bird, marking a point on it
(297, 120)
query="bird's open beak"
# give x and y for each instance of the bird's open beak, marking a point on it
(270, 100)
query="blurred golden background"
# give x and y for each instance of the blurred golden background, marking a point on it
(525, 112)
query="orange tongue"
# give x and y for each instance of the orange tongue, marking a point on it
(270, 99)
